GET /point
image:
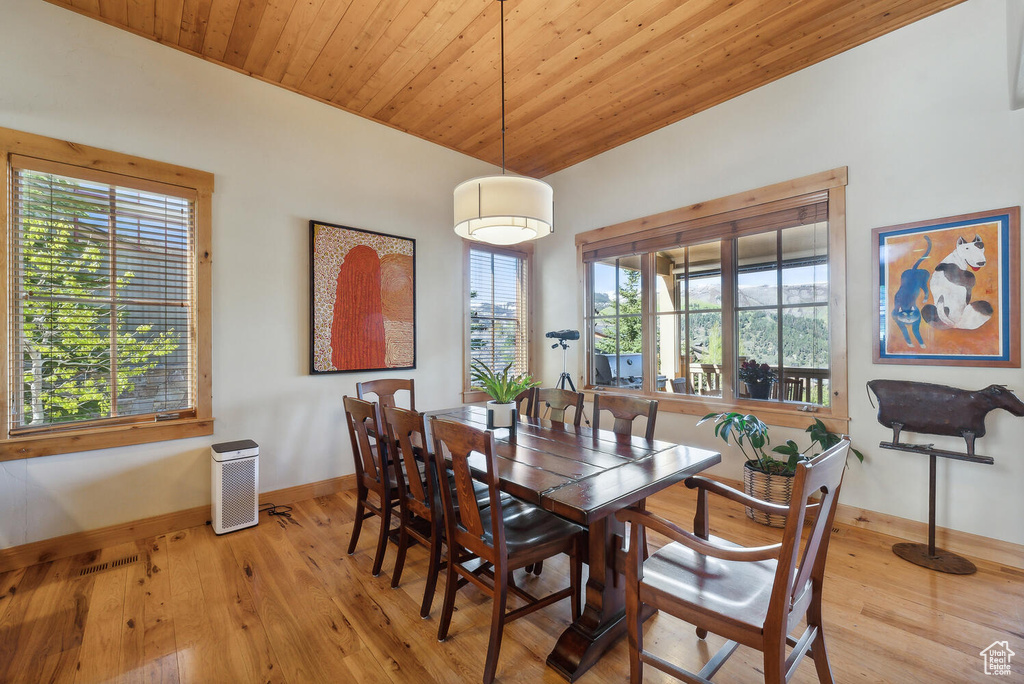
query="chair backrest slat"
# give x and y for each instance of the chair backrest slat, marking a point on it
(404, 427)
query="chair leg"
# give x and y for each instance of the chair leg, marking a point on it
(405, 519)
(538, 568)
(382, 540)
(635, 632)
(818, 652)
(497, 629)
(702, 633)
(451, 585)
(775, 663)
(358, 526)
(432, 570)
(820, 656)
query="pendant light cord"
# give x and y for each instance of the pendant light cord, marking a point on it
(502, 3)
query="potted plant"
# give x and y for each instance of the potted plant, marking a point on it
(503, 388)
(758, 377)
(765, 477)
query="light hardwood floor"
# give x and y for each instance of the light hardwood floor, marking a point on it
(282, 602)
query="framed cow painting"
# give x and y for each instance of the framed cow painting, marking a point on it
(948, 291)
(362, 300)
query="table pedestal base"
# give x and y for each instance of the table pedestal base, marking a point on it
(936, 559)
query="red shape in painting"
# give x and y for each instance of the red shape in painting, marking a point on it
(357, 331)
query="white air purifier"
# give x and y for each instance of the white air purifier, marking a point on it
(235, 477)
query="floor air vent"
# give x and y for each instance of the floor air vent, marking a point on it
(100, 567)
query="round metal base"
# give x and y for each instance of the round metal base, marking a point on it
(943, 561)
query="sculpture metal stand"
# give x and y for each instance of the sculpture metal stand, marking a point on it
(926, 555)
(938, 410)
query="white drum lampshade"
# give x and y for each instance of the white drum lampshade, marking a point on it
(503, 210)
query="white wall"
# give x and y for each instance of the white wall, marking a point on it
(921, 117)
(279, 160)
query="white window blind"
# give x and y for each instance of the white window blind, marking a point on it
(102, 298)
(498, 309)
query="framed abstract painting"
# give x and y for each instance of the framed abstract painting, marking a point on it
(948, 291)
(362, 300)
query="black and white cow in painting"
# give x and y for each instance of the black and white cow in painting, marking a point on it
(951, 284)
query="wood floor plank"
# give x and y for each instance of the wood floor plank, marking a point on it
(201, 653)
(99, 656)
(9, 582)
(148, 652)
(42, 630)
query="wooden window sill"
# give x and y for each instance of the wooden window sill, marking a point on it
(88, 439)
(772, 413)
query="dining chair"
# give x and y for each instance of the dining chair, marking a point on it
(792, 389)
(507, 535)
(524, 402)
(372, 474)
(419, 496)
(751, 596)
(386, 389)
(625, 410)
(557, 401)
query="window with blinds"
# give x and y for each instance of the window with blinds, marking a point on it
(498, 309)
(102, 298)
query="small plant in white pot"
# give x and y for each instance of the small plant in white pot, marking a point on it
(503, 388)
(765, 477)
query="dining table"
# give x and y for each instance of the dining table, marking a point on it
(585, 475)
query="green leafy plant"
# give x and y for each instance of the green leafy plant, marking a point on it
(501, 386)
(747, 429)
(821, 438)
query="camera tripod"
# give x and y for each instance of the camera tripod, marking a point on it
(565, 377)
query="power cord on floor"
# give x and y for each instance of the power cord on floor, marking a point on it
(271, 509)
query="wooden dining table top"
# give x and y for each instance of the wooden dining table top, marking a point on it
(577, 472)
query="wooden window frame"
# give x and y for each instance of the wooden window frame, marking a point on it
(137, 172)
(702, 222)
(524, 251)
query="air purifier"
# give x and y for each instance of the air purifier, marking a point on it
(235, 475)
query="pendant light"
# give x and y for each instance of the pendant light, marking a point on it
(503, 210)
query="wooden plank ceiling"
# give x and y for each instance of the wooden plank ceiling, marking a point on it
(582, 76)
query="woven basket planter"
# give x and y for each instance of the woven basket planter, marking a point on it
(774, 488)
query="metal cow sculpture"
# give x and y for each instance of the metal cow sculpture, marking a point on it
(940, 409)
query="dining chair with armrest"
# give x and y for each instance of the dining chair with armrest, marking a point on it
(751, 596)
(625, 410)
(558, 401)
(507, 535)
(372, 474)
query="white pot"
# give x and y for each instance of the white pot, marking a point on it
(500, 415)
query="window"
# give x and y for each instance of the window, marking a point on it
(676, 309)
(107, 338)
(497, 304)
